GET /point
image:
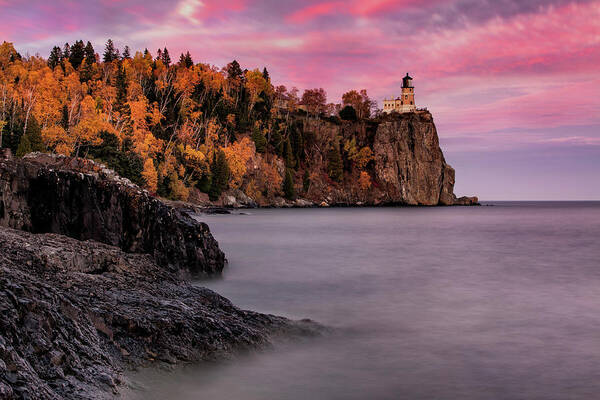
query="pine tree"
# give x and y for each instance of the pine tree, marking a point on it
(265, 74)
(188, 60)
(31, 139)
(55, 57)
(77, 54)
(288, 185)
(90, 55)
(166, 59)
(110, 52)
(277, 141)
(24, 146)
(121, 86)
(306, 180)
(185, 60)
(65, 118)
(126, 53)
(66, 52)
(335, 165)
(290, 161)
(220, 175)
(260, 141)
(234, 70)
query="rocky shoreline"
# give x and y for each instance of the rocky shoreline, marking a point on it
(92, 283)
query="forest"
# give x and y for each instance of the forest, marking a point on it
(182, 130)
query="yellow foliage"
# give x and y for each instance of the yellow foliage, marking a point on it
(55, 137)
(364, 156)
(178, 190)
(364, 181)
(238, 155)
(150, 175)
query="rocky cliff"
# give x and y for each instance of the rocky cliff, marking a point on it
(84, 200)
(409, 164)
(406, 167)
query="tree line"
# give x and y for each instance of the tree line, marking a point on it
(174, 126)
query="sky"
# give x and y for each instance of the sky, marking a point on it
(513, 85)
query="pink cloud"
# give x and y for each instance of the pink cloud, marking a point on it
(353, 7)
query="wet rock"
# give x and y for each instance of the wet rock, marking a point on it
(74, 315)
(467, 201)
(84, 200)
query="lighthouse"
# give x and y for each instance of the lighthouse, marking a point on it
(406, 102)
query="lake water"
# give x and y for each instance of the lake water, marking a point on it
(498, 302)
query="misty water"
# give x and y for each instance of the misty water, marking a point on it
(499, 302)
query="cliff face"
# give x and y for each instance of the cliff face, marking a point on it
(84, 200)
(405, 165)
(407, 168)
(409, 164)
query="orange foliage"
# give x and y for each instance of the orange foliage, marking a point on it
(238, 155)
(150, 175)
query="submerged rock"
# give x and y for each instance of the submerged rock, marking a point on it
(84, 200)
(75, 314)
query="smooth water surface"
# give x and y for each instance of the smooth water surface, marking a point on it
(498, 302)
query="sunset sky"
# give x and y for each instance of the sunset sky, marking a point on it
(514, 85)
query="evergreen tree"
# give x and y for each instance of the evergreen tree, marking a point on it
(306, 181)
(126, 53)
(234, 70)
(277, 141)
(77, 54)
(166, 59)
(220, 175)
(158, 54)
(24, 146)
(55, 57)
(66, 52)
(185, 60)
(110, 52)
(348, 113)
(266, 74)
(31, 139)
(65, 118)
(90, 55)
(290, 161)
(259, 140)
(121, 86)
(288, 185)
(297, 143)
(189, 62)
(335, 165)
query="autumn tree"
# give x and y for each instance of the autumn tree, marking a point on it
(314, 100)
(364, 181)
(361, 102)
(237, 156)
(150, 175)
